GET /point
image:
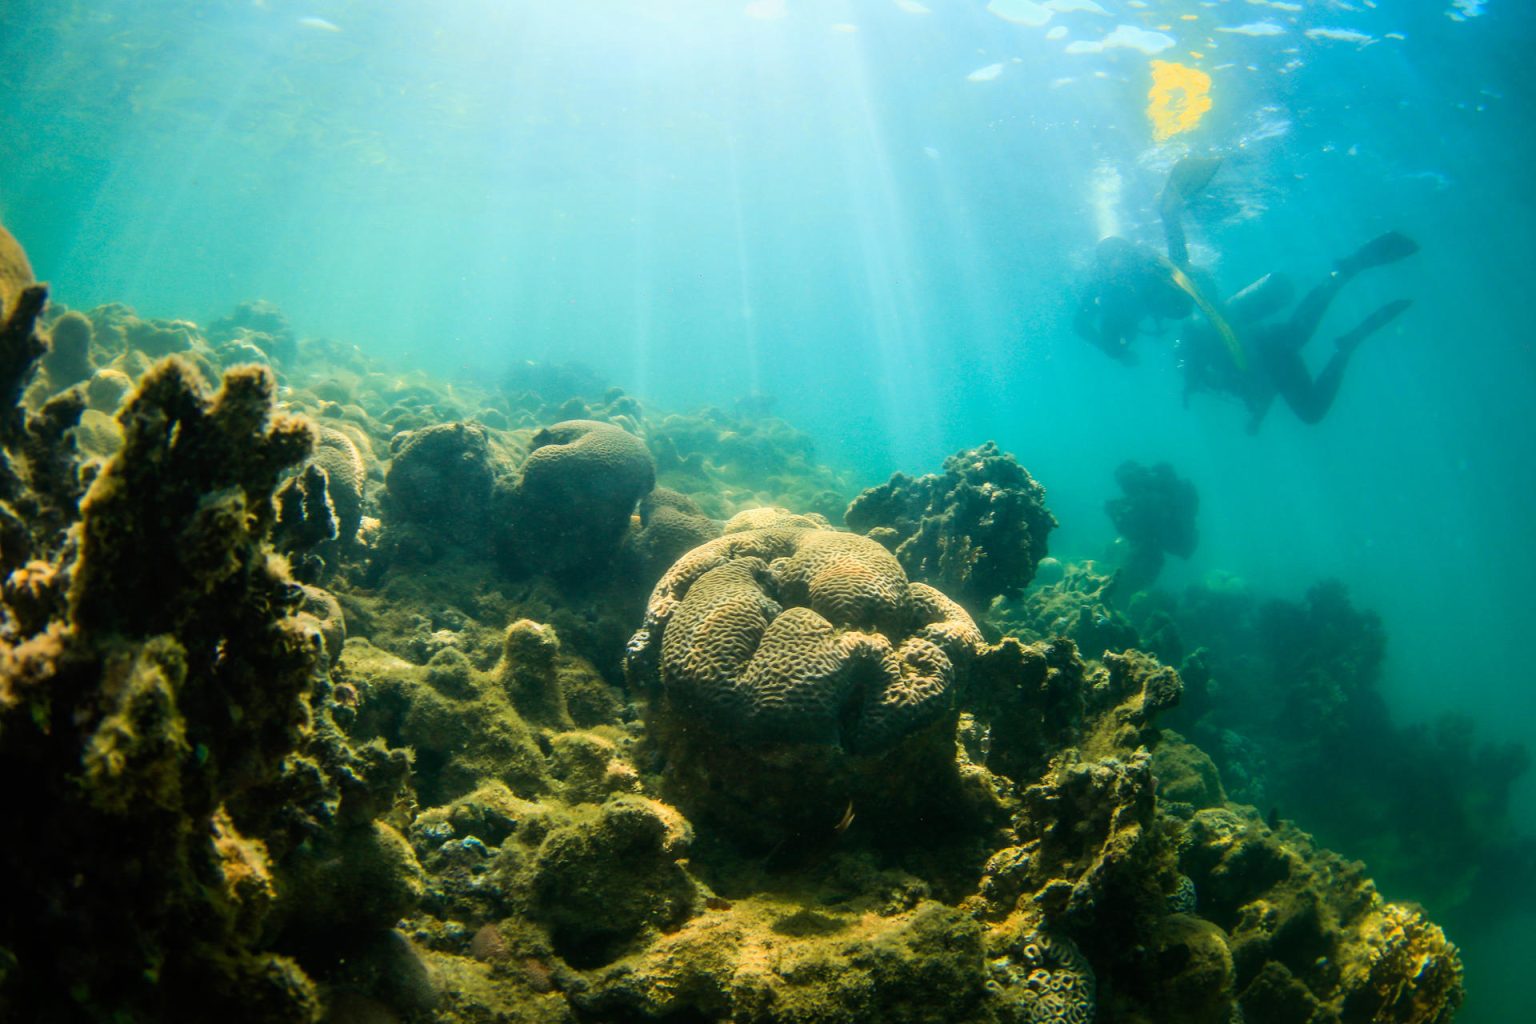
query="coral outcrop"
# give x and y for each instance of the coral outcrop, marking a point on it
(440, 480)
(976, 531)
(1155, 516)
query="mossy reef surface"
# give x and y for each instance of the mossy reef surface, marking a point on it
(331, 694)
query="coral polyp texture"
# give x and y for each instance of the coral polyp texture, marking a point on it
(975, 531)
(319, 709)
(805, 635)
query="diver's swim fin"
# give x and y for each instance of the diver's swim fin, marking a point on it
(1378, 252)
(1189, 176)
(1371, 324)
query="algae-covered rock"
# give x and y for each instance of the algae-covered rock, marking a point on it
(610, 876)
(440, 480)
(148, 705)
(69, 351)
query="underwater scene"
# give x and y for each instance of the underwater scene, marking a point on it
(767, 511)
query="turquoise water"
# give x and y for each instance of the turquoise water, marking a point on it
(878, 215)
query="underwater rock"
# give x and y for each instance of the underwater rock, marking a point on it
(528, 674)
(106, 390)
(1308, 932)
(611, 876)
(976, 532)
(15, 274)
(574, 496)
(774, 963)
(1155, 515)
(157, 338)
(256, 325)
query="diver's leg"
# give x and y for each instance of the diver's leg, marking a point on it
(1381, 250)
(1172, 212)
(1311, 398)
(1371, 324)
(1264, 297)
(1304, 319)
(1185, 180)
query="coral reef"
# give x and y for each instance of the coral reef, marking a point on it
(297, 746)
(1076, 606)
(976, 532)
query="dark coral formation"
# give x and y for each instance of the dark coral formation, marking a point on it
(976, 531)
(147, 712)
(440, 481)
(1155, 516)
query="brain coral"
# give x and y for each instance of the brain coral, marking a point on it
(577, 491)
(346, 475)
(976, 531)
(792, 634)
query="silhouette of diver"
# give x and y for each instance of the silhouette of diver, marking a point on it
(1258, 361)
(1230, 349)
(1132, 282)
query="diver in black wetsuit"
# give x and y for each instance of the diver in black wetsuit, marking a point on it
(1133, 282)
(1258, 361)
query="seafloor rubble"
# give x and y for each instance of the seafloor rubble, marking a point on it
(336, 695)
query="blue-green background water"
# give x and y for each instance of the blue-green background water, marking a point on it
(812, 200)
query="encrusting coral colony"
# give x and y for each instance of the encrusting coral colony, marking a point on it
(334, 695)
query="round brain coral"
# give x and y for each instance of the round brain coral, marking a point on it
(803, 635)
(577, 491)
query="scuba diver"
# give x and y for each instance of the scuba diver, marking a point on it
(1133, 282)
(1234, 351)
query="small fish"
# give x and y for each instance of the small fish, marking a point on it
(319, 24)
(842, 826)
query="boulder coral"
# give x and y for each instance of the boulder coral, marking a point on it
(571, 504)
(439, 482)
(810, 649)
(976, 531)
(805, 635)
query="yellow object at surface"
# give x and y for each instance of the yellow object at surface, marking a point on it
(1179, 98)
